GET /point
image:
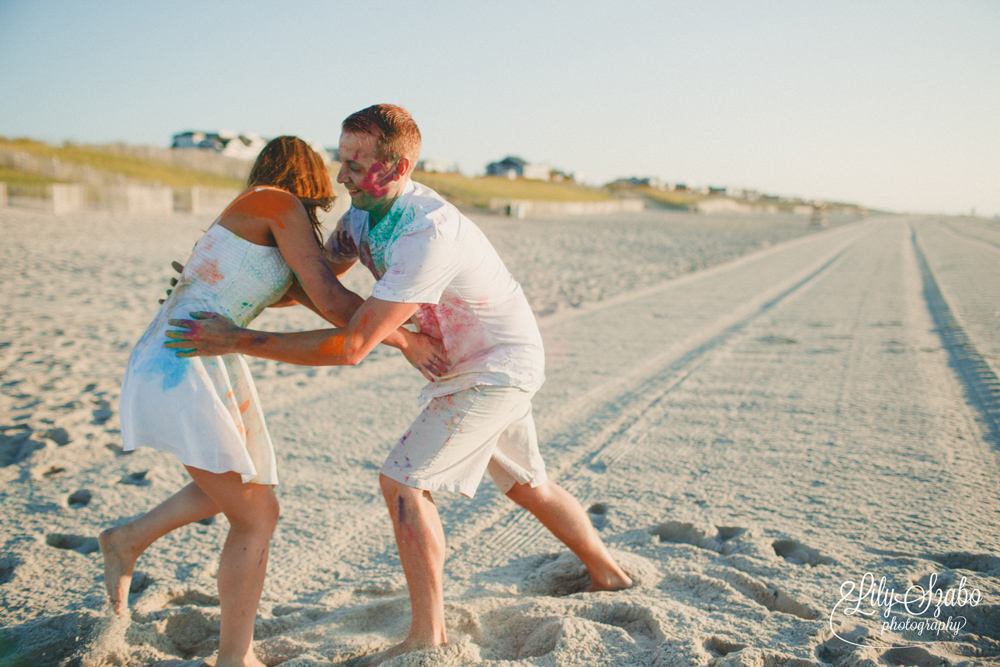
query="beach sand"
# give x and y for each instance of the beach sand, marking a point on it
(755, 414)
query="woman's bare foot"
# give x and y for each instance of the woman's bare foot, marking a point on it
(119, 561)
(407, 646)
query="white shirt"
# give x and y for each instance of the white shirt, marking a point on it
(425, 251)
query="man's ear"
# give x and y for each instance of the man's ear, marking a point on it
(402, 168)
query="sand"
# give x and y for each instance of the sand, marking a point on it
(755, 414)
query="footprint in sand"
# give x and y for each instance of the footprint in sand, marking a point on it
(193, 633)
(917, 656)
(598, 513)
(136, 479)
(7, 567)
(193, 597)
(799, 554)
(102, 413)
(600, 467)
(679, 532)
(557, 576)
(777, 340)
(77, 543)
(982, 620)
(17, 445)
(767, 595)
(635, 619)
(79, 499)
(963, 560)
(727, 533)
(712, 538)
(59, 435)
(719, 647)
(140, 582)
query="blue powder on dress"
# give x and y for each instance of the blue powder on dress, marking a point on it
(171, 367)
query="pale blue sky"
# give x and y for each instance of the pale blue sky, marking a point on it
(891, 104)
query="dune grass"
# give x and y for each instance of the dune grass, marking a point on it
(13, 176)
(131, 167)
(477, 191)
(671, 199)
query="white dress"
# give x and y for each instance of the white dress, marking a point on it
(205, 410)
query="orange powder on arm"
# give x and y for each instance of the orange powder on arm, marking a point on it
(271, 205)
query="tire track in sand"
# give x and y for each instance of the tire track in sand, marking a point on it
(981, 383)
(603, 424)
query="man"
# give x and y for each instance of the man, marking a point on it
(433, 265)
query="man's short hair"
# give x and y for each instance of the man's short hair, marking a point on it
(393, 127)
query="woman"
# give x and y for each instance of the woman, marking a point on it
(205, 410)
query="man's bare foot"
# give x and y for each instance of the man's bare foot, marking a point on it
(615, 581)
(247, 661)
(118, 565)
(407, 646)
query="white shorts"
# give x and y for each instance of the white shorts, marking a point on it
(460, 436)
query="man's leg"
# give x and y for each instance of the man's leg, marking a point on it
(564, 517)
(420, 539)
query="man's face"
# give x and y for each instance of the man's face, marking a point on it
(369, 181)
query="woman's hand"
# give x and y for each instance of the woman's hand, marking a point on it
(426, 354)
(206, 335)
(179, 268)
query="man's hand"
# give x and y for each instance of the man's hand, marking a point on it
(427, 355)
(206, 335)
(179, 268)
(341, 240)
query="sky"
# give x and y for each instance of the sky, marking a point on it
(893, 104)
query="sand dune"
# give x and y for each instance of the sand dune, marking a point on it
(752, 412)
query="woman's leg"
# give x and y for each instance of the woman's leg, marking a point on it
(122, 546)
(252, 510)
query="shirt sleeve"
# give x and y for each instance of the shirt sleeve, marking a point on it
(341, 245)
(421, 265)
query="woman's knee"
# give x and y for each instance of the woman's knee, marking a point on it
(261, 513)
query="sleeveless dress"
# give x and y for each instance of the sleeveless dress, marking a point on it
(205, 410)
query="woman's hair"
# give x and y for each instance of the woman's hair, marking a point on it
(290, 164)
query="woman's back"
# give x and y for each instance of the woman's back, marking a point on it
(239, 278)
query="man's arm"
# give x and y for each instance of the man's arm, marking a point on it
(420, 350)
(210, 335)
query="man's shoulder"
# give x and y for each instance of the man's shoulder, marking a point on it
(428, 209)
(354, 217)
(428, 201)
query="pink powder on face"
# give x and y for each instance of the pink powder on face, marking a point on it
(377, 180)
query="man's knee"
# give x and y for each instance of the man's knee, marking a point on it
(392, 489)
(525, 494)
(389, 486)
